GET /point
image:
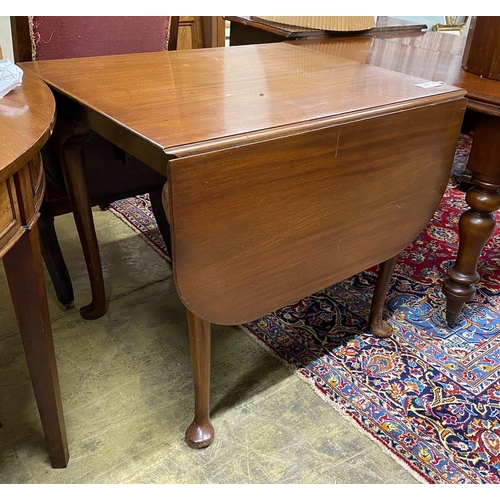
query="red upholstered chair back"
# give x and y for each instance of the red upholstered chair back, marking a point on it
(57, 37)
(63, 37)
(111, 173)
(60, 37)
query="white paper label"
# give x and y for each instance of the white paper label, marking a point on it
(428, 85)
(11, 77)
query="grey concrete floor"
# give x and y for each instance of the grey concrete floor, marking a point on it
(127, 392)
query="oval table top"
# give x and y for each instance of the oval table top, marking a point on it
(27, 116)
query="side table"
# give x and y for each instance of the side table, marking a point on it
(27, 116)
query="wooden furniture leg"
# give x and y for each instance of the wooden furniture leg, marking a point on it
(70, 137)
(200, 433)
(54, 260)
(475, 228)
(378, 326)
(161, 219)
(24, 270)
(478, 223)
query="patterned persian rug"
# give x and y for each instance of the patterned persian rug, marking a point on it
(429, 394)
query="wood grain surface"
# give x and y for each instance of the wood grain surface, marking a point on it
(261, 226)
(212, 98)
(24, 127)
(434, 56)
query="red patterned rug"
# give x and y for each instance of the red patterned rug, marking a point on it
(429, 394)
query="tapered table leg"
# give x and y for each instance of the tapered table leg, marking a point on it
(378, 326)
(201, 432)
(24, 270)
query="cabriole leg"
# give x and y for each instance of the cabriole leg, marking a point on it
(378, 326)
(201, 432)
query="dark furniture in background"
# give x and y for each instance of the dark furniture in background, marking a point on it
(245, 30)
(26, 121)
(111, 173)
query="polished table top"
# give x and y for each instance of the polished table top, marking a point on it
(198, 100)
(27, 117)
(431, 55)
(167, 107)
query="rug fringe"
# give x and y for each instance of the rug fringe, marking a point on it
(419, 476)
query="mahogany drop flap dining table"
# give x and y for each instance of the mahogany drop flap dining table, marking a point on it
(288, 170)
